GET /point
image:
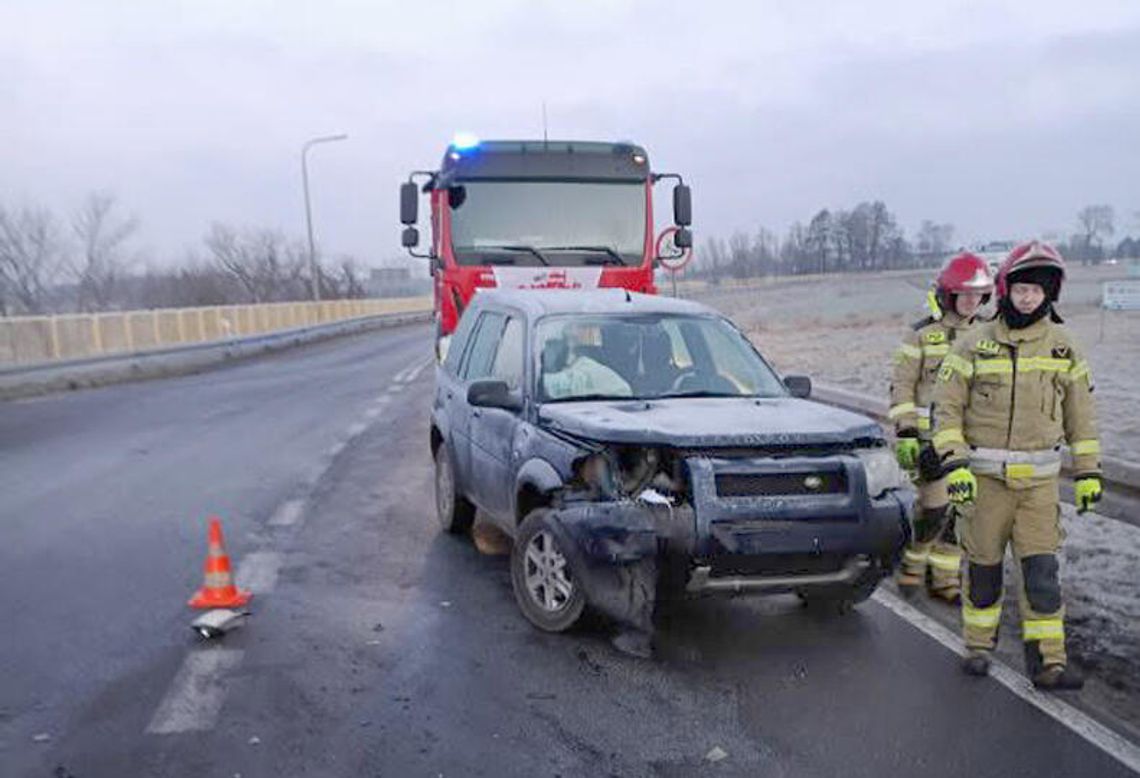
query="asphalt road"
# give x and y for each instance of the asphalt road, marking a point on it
(377, 645)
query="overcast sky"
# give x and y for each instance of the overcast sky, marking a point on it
(1003, 118)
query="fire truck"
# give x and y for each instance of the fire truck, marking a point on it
(538, 214)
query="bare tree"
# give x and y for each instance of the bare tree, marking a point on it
(350, 282)
(103, 256)
(267, 265)
(31, 258)
(1097, 222)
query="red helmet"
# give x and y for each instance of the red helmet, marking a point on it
(965, 272)
(1029, 256)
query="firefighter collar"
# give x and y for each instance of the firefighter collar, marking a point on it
(1035, 331)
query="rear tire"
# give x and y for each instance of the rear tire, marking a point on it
(547, 586)
(454, 512)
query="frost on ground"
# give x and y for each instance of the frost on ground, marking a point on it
(842, 331)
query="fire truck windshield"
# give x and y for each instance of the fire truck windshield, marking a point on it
(556, 222)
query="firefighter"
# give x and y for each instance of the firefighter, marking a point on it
(963, 286)
(1008, 396)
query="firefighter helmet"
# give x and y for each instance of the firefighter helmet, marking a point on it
(1036, 256)
(965, 272)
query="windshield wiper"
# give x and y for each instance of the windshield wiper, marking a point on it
(525, 249)
(589, 398)
(612, 257)
(701, 393)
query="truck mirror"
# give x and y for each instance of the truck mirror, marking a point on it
(682, 206)
(683, 238)
(409, 205)
(410, 237)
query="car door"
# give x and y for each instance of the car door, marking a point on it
(475, 364)
(493, 430)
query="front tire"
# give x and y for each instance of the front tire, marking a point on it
(454, 512)
(547, 587)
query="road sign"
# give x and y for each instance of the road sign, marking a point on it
(1121, 295)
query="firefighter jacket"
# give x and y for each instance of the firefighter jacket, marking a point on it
(915, 371)
(1007, 400)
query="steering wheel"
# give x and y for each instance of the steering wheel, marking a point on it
(687, 376)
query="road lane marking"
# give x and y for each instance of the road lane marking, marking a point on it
(287, 513)
(372, 413)
(416, 373)
(395, 389)
(356, 429)
(257, 572)
(195, 697)
(1080, 723)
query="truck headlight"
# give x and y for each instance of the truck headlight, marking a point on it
(882, 470)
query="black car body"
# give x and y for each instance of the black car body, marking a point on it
(692, 468)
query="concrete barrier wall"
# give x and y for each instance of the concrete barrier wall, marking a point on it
(29, 380)
(34, 339)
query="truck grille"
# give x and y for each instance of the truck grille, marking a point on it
(780, 484)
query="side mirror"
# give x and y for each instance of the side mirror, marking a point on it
(493, 393)
(410, 238)
(409, 204)
(798, 385)
(683, 238)
(682, 205)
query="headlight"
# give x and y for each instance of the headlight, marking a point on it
(882, 470)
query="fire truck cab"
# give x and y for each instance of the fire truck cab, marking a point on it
(538, 214)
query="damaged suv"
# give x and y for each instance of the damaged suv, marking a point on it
(636, 446)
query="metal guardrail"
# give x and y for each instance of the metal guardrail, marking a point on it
(1121, 478)
(35, 339)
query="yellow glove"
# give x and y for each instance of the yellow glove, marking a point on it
(1087, 491)
(906, 451)
(961, 485)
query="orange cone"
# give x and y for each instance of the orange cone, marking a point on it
(218, 590)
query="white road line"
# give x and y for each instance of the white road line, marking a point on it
(1116, 746)
(287, 513)
(258, 571)
(416, 373)
(356, 429)
(334, 449)
(195, 697)
(372, 413)
(394, 388)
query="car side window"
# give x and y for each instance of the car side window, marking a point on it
(484, 342)
(458, 345)
(508, 364)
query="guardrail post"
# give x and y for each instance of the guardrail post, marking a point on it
(96, 335)
(53, 324)
(128, 332)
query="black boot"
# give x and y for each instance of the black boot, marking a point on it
(976, 663)
(1055, 677)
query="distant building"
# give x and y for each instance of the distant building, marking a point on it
(396, 282)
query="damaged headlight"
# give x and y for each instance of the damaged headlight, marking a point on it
(882, 470)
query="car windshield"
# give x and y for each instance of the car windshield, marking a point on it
(648, 357)
(548, 223)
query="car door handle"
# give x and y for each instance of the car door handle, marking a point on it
(477, 413)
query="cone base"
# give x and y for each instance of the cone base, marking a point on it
(206, 599)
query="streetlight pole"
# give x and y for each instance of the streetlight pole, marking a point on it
(308, 208)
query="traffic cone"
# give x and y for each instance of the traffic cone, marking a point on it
(218, 590)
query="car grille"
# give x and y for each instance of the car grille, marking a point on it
(780, 484)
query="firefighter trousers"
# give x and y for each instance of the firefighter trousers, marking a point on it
(933, 543)
(1027, 515)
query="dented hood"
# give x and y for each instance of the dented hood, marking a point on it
(691, 422)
